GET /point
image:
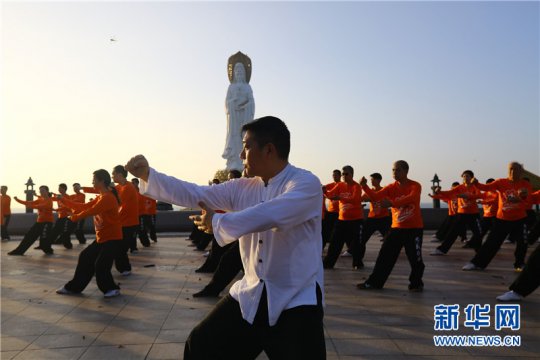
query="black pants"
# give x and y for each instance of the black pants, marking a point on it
(382, 225)
(446, 225)
(328, 224)
(227, 269)
(224, 334)
(96, 259)
(501, 229)
(213, 259)
(345, 231)
(529, 279)
(144, 226)
(79, 231)
(411, 239)
(129, 235)
(486, 224)
(62, 230)
(5, 224)
(39, 230)
(470, 221)
(152, 225)
(58, 228)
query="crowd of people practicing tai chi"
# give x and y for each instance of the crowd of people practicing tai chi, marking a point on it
(273, 221)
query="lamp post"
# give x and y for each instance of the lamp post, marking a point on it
(434, 188)
(29, 194)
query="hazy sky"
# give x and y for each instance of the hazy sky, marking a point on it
(447, 86)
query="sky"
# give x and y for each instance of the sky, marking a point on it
(446, 86)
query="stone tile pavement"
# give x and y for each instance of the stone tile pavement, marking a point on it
(156, 311)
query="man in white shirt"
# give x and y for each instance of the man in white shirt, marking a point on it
(276, 215)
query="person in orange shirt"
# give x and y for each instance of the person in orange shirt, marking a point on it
(450, 219)
(129, 216)
(78, 227)
(403, 196)
(60, 233)
(512, 192)
(42, 227)
(489, 202)
(331, 211)
(467, 214)
(378, 218)
(97, 258)
(348, 227)
(144, 216)
(5, 211)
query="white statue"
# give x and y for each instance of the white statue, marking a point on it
(240, 107)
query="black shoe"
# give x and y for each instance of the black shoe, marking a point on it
(416, 288)
(37, 248)
(366, 286)
(15, 253)
(82, 242)
(68, 246)
(358, 266)
(206, 293)
(48, 252)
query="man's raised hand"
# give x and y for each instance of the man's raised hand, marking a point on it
(138, 166)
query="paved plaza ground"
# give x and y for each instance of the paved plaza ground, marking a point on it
(156, 311)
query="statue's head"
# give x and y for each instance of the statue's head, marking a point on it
(236, 62)
(239, 74)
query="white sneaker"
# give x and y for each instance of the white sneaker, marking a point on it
(206, 254)
(346, 254)
(111, 293)
(437, 252)
(470, 266)
(126, 273)
(510, 296)
(64, 291)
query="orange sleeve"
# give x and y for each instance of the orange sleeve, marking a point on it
(413, 196)
(90, 190)
(329, 193)
(33, 204)
(97, 206)
(73, 205)
(375, 195)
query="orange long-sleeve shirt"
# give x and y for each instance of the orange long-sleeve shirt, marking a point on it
(465, 205)
(510, 207)
(78, 197)
(5, 205)
(129, 203)
(43, 206)
(152, 206)
(350, 200)
(63, 211)
(451, 201)
(105, 209)
(490, 201)
(405, 199)
(376, 211)
(332, 205)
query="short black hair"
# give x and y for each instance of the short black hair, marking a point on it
(120, 169)
(235, 174)
(403, 164)
(337, 171)
(63, 186)
(490, 180)
(348, 168)
(468, 172)
(376, 176)
(271, 130)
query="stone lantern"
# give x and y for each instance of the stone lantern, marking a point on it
(434, 188)
(29, 194)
